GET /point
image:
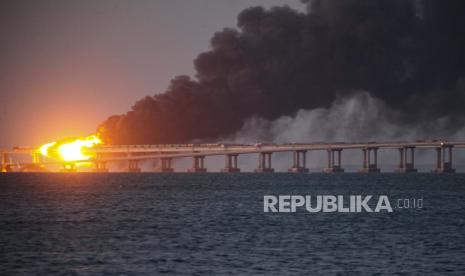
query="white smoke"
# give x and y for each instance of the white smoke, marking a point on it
(356, 118)
(359, 117)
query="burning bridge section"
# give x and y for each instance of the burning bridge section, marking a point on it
(90, 154)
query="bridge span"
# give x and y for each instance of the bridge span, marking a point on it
(165, 153)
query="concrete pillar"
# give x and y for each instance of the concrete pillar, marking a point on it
(365, 163)
(368, 165)
(133, 166)
(330, 162)
(230, 163)
(407, 160)
(100, 166)
(304, 158)
(334, 166)
(439, 158)
(4, 162)
(300, 162)
(227, 161)
(69, 167)
(264, 162)
(368, 158)
(401, 159)
(165, 165)
(412, 157)
(443, 164)
(198, 164)
(450, 155)
(36, 158)
(195, 163)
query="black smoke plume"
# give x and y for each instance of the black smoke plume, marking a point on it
(409, 54)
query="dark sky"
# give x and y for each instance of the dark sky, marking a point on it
(67, 65)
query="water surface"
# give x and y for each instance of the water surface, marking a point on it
(214, 223)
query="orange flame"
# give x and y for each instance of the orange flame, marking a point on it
(71, 149)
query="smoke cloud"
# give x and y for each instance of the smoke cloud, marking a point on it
(354, 118)
(359, 117)
(289, 70)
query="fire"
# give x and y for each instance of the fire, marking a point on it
(72, 149)
(44, 149)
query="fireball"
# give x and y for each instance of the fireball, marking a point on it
(72, 149)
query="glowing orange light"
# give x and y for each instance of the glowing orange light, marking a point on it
(44, 149)
(70, 149)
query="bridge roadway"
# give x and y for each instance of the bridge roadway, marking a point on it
(165, 152)
(188, 150)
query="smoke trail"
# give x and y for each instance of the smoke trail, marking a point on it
(280, 62)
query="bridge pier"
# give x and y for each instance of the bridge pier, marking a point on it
(133, 166)
(264, 162)
(69, 167)
(165, 165)
(334, 166)
(198, 164)
(230, 163)
(406, 164)
(299, 162)
(443, 166)
(100, 166)
(36, 158)
(368, 166)
(4, 162)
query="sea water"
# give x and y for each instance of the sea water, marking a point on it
(215, 223)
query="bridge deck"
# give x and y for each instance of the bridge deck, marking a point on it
(143, 152)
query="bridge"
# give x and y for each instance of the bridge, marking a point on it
(132, 155)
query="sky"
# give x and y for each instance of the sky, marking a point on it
(65, 66)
